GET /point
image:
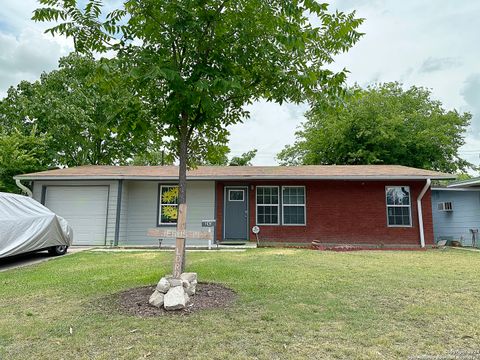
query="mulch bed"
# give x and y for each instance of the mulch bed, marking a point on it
(207, 296)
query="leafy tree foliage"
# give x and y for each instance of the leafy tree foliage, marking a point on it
(383, 124)
(86, 108)
(21, 153)
(245, 159)
(219, 157)
(197, 63)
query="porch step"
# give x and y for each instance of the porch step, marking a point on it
(233, 242)
(237, 245)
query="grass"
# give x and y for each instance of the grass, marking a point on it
(292, 304)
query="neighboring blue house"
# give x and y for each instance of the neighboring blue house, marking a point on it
(456, 212)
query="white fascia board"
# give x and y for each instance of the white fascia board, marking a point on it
(456, 189)
(466, 183)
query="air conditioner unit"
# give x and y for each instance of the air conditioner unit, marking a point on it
(445, 206)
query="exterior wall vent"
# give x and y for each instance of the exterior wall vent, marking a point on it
(445, 206)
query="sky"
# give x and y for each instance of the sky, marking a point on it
(430, 43)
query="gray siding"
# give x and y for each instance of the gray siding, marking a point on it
(142, 209)
(456, 223)
(139, 208)
(112, 200)
(122, 238)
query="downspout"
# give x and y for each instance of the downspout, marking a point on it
(23, 188)
(420, 214)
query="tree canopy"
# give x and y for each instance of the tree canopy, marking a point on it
(20, 153)
(243, 160)
(87, 110)
(382, 124)
(197, 63)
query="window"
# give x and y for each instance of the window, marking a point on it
(235, 195)
(398, 206)
(267, 205)
(293, 205)
(168, 204)
(445, 206)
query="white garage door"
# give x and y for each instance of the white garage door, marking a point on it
(85, 209)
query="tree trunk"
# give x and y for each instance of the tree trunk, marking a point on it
(179, 264)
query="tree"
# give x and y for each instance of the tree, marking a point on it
(197, 63)
(382, 124)
(87, 110)
(20, 153)
(245, 159)
(219, 157)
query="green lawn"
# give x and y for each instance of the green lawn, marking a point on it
(292, 304)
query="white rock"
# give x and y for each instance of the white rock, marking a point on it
(189, 282)
(189, 287)
(190, 277)
(156, 299)
(175, 282)
(175, 298)
(163, 285)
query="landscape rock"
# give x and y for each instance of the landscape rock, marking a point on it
(156, 299)
(189, 276)
(189, 282)
(175, 282)
(175, 298)
(189, 287)
(163, 285)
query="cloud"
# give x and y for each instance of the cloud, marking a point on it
(348, 5)
(471, 95)
(436, 64)
(471, 91)
(269, 128)
(26, 56)
(25, 51)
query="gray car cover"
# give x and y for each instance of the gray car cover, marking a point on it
(26, 225)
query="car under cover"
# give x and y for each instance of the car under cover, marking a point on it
(26, 226)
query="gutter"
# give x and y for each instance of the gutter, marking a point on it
(23, 188)
(420, 214)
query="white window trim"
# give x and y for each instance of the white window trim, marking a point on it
(409, 205)
(257, 205)
(287, 205)
(243, 194)
(160, 205)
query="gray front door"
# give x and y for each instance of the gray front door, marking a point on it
(236, 213)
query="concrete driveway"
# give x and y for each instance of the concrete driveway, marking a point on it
(34, 258)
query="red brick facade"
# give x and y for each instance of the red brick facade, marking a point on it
(340, 212)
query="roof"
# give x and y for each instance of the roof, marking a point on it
(327, 172)
(465, 183)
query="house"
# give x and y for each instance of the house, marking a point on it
(365, 205)
(456, 212)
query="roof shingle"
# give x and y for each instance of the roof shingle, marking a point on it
(240, 172)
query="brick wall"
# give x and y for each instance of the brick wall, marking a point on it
(341, 212)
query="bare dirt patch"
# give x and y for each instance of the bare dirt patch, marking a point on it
(208, 296)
